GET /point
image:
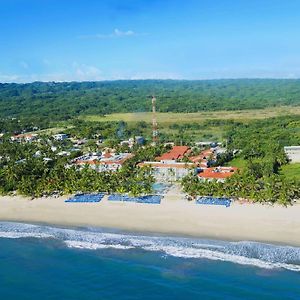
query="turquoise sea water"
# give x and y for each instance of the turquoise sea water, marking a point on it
(42, 262)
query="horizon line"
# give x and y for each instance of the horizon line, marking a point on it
(152, 79)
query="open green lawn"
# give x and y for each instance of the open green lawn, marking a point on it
(291, 171)
(237, 162)
(171, 118)
(53, 130)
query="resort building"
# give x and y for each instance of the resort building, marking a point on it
(217, 173)
(205, 158)
(102, 161)
(169, 167)
(293, 153)
(164, 172)
(178, 162)
(29, 137)
(175, 154)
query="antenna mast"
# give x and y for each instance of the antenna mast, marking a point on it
(154, 122)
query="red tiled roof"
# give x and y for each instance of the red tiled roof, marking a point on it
(204, 155)
(218, 173)
(207, 152)
(196, 158)
(176, 152)
(107, 155)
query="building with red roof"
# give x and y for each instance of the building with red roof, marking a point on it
(217, 173)
(168, 166)
(176, 153)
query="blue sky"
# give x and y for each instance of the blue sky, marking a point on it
(64, 40)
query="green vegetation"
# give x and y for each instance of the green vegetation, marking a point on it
(23, 171)
(237, 162)
(62, 101)
(168, 118)
(263, 175)
(267, 189)
(291, 171)
(255, 119)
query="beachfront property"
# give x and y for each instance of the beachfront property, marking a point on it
(165, 172)
(171, 167)
(101, 162)
(293, 153)
(26, 137)
(217, 173)
(205, 158)
(168, 166)
(178, 162)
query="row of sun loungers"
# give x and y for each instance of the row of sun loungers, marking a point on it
(86, 198)
(214, 201)
(152, 199)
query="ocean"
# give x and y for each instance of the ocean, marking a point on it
(45, 262)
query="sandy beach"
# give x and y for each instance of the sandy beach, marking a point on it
(174, 216)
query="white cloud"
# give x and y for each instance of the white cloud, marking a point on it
(86, 72)
(9, 78)
(83, 72)
(75, 72)
(117, 33)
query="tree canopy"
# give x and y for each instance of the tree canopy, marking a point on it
(62, 101)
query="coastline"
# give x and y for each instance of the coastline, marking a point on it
(239, 222)
(253, 222)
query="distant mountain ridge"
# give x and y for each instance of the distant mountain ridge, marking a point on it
(70, 99)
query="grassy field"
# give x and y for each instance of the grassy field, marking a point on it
(237, 162)
(171, 118)
(291, 171)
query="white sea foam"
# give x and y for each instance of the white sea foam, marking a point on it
(18, 235)
(94, 246)
(245, 253)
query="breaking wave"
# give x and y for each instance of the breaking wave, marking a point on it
(245, 253)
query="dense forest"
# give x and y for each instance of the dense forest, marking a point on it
(66, 100)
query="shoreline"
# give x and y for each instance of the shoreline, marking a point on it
(173, 217)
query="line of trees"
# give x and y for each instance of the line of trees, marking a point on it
(36, 178)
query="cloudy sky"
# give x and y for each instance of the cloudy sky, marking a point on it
(66, 40)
